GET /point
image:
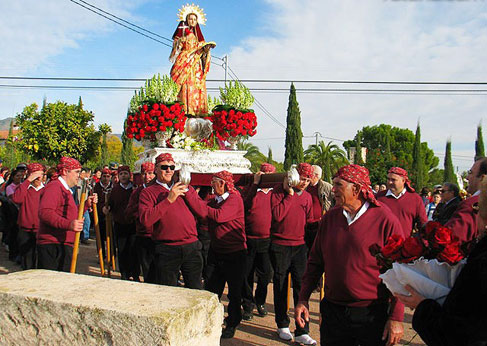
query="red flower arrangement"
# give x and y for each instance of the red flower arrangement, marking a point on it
(232, 123)
(153, 118)
(434, 241)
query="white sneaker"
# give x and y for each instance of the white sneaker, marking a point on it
(284, 334)
(305, 339)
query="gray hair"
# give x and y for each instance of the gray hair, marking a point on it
(317, 170)
(453, 188)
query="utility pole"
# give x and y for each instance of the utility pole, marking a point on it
(225, 64)
(316, 137)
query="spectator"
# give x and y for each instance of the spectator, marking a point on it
(450, 199)
(431, 207)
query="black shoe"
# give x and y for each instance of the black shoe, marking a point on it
(247, 315)
(261, 310)
(85, 242)
(228, 333)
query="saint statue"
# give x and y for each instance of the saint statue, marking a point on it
(190, 56)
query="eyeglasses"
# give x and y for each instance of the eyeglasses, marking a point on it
(469, 171)
(165, 167)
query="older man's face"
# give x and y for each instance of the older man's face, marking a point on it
(344, 191)
(395, 183)
(165, 171)
(473, 178)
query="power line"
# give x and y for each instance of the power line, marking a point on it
(247, 80)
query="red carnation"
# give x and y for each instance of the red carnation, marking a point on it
(393, 246)
(451, 253)
(442, 237)
(145, 108)
(412, 249)
(155, 106)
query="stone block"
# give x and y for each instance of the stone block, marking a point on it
(41, 307)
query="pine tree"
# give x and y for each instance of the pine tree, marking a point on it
(418, 160)
(127, 156)
(479, 143)
(449, 173)
(357, 159)
(294, 135)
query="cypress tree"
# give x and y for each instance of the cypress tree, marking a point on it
(127, 155)
(418, 160)
(449, 173)
(357, 159)
(479, 143)
(269, 155)
(104, 129)
(10, 147)
(294, 135)
(80, 104)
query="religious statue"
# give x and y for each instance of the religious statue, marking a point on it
(190, 56)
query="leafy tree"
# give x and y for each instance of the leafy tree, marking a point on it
(389, 146)
(418, 162)
(294, 135)
(449, 173)
(253, 154)
(127, 156)
(104, 129)
(328, 156)
(59, 129)
(479, 143)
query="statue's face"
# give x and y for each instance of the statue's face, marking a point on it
(192, 20)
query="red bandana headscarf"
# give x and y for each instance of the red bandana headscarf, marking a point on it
(106, 171)
(123, 169)
(164, 157)
(34, 167)
(147, 167)
(68, 163)
(403, 173)
(358, 175)
(267, 168)
(227, 177)
(305, 170)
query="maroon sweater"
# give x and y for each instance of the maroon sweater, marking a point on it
(172, 223)
(101, 192)
(317, 209)
(409, 209)
(341, 251)
(118, 201)
(28, 201)
(463, 222)
(289, 216)
(56, 211)
(132, 213)
(258, 215)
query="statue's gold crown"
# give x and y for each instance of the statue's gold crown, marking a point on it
(188, 9)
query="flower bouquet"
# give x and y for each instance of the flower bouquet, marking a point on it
(428, 261)
(154, 113)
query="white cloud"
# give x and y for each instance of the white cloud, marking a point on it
(371, 40)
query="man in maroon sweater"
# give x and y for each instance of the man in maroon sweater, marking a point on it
(103, 188)
(403, 201)
(258, 217)
(27, 196)
(124, 227)
(176, 245)
(58, 215)
(463, 222)
(357, 308)
(291, 210)
(228, 249)
(143, 241)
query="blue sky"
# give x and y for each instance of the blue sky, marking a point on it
(272, 39)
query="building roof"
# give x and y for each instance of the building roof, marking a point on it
(4, 134)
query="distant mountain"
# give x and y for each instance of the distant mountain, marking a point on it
(5, 123)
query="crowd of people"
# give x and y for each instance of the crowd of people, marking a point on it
(207, 237)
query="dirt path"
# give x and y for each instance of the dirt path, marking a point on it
(260, 331)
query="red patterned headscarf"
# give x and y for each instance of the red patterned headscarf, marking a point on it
(358, 175)
(106, 171)
(305, 170)
(123, 169)
(147, 167)
(68, 163)
(227, 177)
(267, 168)
(34, 167)
(403, 173)
(164, 157)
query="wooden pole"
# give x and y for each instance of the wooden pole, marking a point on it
(108, 241)
(81, 211)
(322, 290)
(288, 291)
(112, 245)
(98, 240)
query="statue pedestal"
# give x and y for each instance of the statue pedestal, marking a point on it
(201, 161)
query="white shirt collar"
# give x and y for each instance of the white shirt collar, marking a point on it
(389, 193)
(105, 186)
(65, 184)
(221, 198)
(165, 185)
(361, 212)
(476, 193)
(128, 186)
(36, 188)
(266, 191)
